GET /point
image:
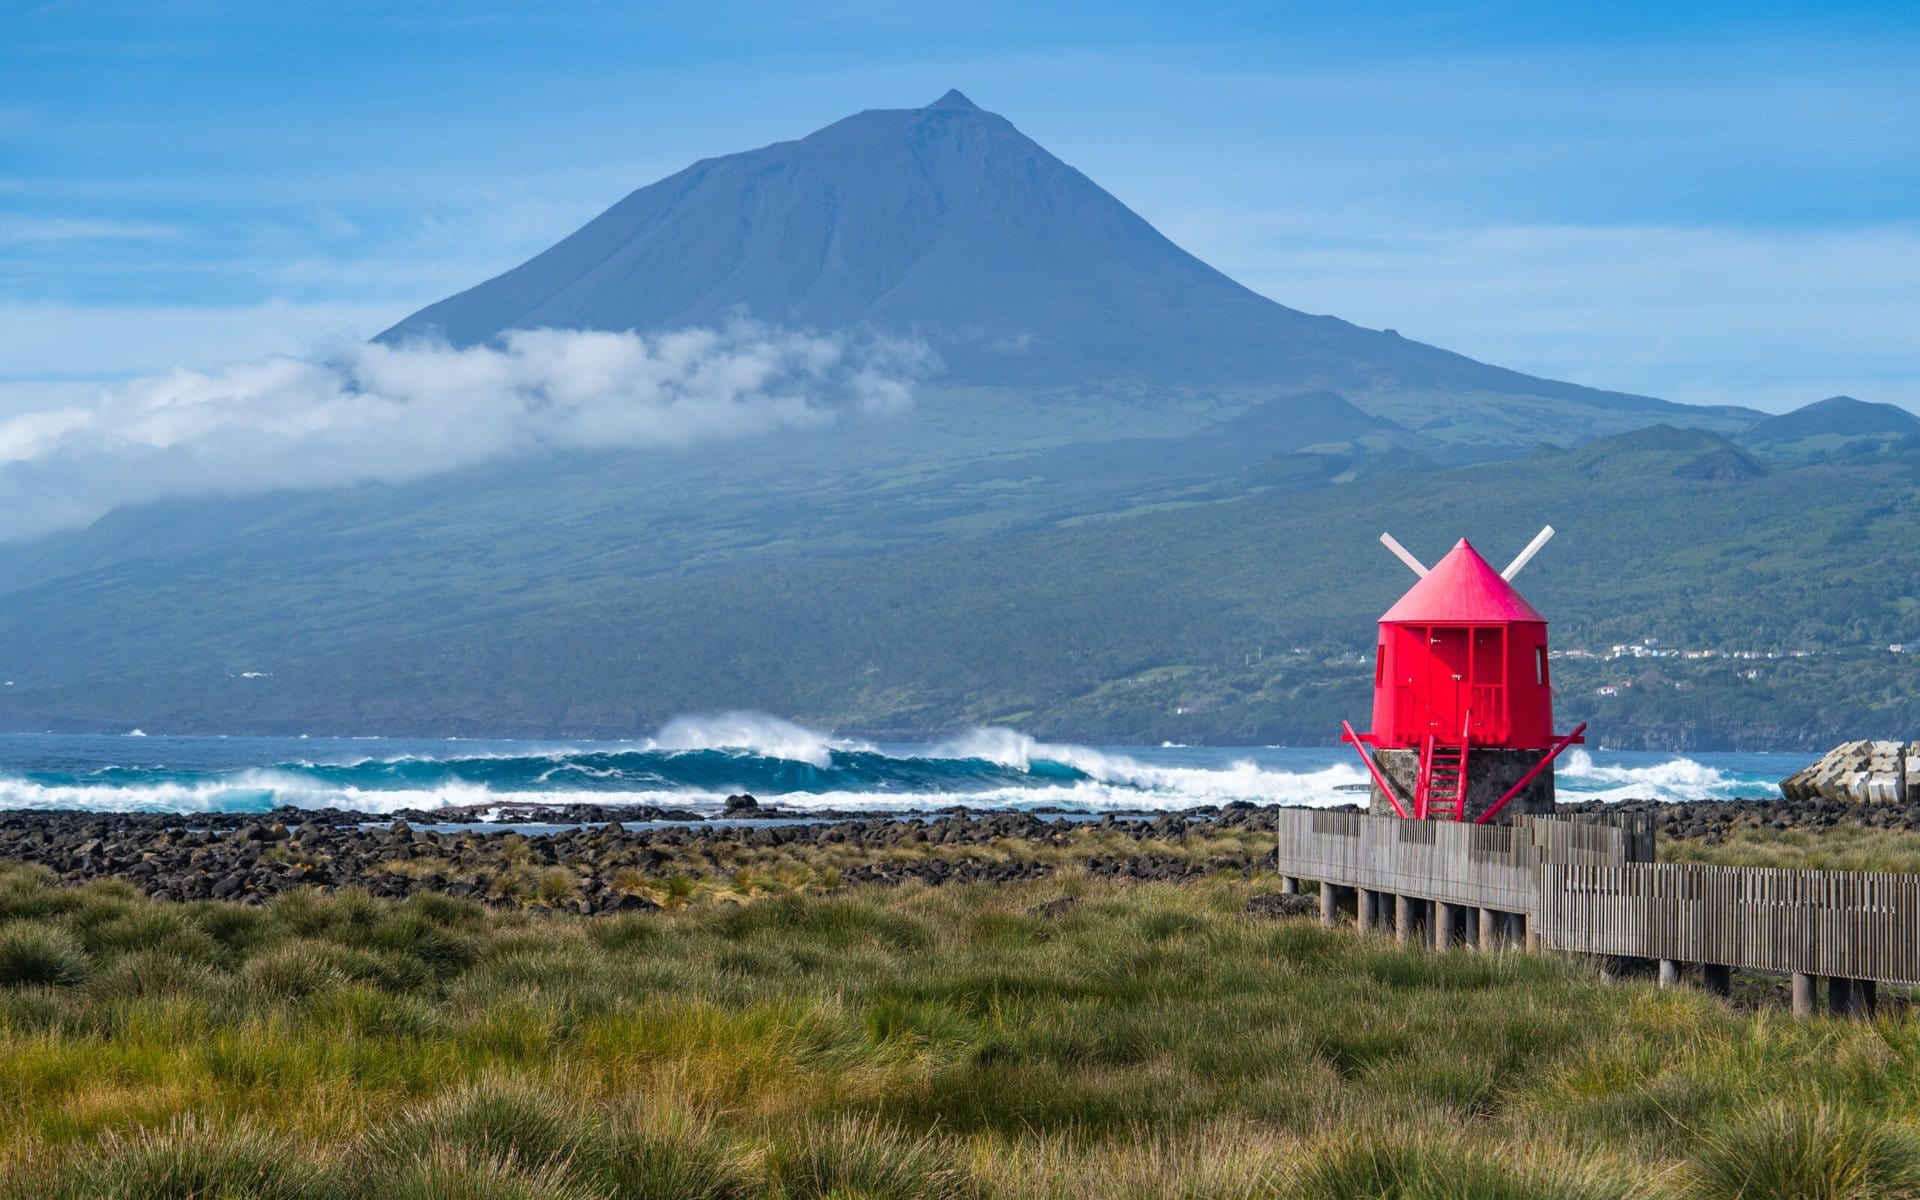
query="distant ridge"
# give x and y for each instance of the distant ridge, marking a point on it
(1836, 415)
(948, 224)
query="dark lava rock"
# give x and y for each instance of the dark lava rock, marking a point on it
(741, 806)
(1274, 906)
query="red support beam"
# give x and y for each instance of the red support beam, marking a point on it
(1545, 761)
(1423, 786)
(1348, 735)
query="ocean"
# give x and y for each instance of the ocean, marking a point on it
(695, 763)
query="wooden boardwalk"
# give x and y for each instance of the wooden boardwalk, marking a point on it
(1591, 887)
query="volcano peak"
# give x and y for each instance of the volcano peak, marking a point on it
(955, 99)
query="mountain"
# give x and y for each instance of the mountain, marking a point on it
(1134, 487)
(1837, 415)
(1839, 425)
(947, 224)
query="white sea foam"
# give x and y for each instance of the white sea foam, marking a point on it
(1170, 787)
(752, 733)
(259, 791)
(1031, 774)
(1126, 786)
(242, 792)
(1580, 778)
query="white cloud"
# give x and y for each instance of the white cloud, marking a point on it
(365, 411)
(21, 229)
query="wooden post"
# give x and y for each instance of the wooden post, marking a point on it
(1802, 994)
(1403, 919)
(1669, 973)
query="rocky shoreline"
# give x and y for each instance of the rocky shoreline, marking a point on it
(1712, 820)
(594, 862)
(600, 865)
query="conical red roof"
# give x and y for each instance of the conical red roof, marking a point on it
(1461, 590)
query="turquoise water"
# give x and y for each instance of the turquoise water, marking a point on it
(697, 762)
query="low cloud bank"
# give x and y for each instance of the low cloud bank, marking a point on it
(366, 412)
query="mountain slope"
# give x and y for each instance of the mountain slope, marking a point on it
(1245, 619)
(948, 224)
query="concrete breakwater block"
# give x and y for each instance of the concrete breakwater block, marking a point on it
(1863, 772)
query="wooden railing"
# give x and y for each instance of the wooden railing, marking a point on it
(1591, 886)
(1852, 924)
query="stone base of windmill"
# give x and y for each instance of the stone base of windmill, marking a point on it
(1489, 774)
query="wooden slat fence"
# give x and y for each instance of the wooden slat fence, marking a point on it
(1852, 924)
(1590, 886)
(1485, 866)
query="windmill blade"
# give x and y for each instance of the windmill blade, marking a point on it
(1526, 556)
(1404, 555)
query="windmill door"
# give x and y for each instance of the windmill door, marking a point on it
(1451, 660)
(1455, 690)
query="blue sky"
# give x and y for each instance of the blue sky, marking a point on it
(1715, 203)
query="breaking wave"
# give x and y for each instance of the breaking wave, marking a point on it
(695, 763)
(1580, 778)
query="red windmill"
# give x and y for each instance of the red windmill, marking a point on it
(1462, 694)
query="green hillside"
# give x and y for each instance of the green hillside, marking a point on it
(1131, 498)
(1237, 619)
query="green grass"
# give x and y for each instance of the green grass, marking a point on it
(1839, 848)
(939, 1043)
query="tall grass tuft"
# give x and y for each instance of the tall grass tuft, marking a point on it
(38, 953)
(496, 1120)
(295, 971)
(444, 1173)
(1381, 1167)
(1221, 1162)
(28, 891)
(187, 1160)
(669, 1156)
(157, 973)
(866, 1159)
(557, 886)
(1812, 1153)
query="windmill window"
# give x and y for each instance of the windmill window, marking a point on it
(1540, 665)
(1379, 664)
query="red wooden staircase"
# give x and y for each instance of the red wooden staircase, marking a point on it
(1441, 793)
